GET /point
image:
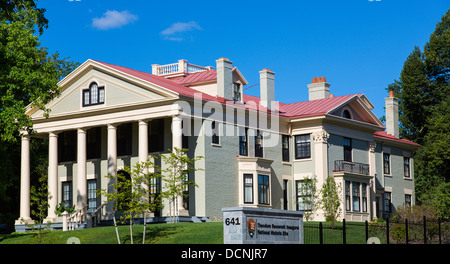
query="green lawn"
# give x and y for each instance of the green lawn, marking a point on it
(180, 233)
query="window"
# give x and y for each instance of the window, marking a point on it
(347, 149)
(185, 190)
(386, 163)
(258, 144)
(94, 95)
(285, 194)
(67, 146)
(156, 135)
(215, 133)
(356, 198)
(67, 193)
(263, 189)
(243, 146)
(387, 204)
(248, 188)
(304, 196)
(124, 139)
(364, 196)
(285, 146)
(184, 136)
(94, 144)
(346, 114)
(347, 196)
(407, 200)
(237, 92)
(406, 167)
(302, 146)
(92, 195)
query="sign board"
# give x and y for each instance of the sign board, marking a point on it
(248, 225)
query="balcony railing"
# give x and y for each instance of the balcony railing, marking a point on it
(352, 167)
(174, 68)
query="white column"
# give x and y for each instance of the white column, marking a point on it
(177, 132)
(52, 175)
(143, 141)
(177, 142)
(112, 165)
(321, 161)
(372, 189)
(81, 168)
(25, 181)
(112, 150)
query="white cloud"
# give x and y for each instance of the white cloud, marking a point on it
(113, 19)
(174, 32)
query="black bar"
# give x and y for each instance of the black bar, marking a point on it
(344, 235)
(387, 231)
(439, 225)
(406, 230)
(320, 233)
(424, 230)
(367, 230)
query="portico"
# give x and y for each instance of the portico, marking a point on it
(83, 174)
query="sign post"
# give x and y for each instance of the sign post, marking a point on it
(248, 225)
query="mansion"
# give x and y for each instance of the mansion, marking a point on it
(257, 152)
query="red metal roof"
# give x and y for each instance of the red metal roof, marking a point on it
(315, 107)
(197, 77)
(386, 136)
(161, 81)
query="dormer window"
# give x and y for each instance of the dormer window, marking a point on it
(94, 95)
(346, 114)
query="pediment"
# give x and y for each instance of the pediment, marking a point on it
(359, 109)
(119, 90)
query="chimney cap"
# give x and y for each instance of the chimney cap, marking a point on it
(318, 79)
(391, 94)
(223, 58)
(266, 70)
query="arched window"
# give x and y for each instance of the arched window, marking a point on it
(346, 114)
(93, 95)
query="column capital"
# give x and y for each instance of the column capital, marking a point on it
(112, 126)
(81, 130)
(53, 134)
(321, 136)
(143, 122)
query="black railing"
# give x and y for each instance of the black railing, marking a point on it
(352, 167)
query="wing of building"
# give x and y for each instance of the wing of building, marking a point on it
(257, 151)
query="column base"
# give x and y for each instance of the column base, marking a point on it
(49, 219)
(24, 221)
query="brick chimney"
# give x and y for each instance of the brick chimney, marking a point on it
(267, 88)
(224, 78)
(392, 126)
(318, 88)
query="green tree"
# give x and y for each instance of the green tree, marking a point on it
(28, 75)
(132, 196)
(330, 200)
(307, 190)
(424, 105)
(39, 196)
(174, 176)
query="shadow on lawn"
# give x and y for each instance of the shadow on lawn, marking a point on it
(152, 234)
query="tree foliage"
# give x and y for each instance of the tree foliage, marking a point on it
(423, 90)
(330, 200)
(28, 77)
(28, 74)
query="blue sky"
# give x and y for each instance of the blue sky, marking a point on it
(358, 45)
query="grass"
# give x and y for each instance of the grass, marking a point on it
(180, 233)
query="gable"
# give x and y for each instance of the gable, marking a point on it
(356, 109)
(118, 91)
